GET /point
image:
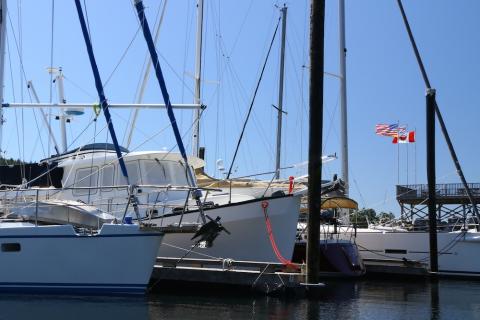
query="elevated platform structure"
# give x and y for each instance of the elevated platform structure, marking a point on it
(453, 205)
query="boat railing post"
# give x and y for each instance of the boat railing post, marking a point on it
(206, 195)
(277, 172)
(230, 193)
(129, 191)
(36, 208)
(184, 206)
(165, 199)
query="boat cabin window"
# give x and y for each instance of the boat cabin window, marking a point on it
(133, 173)
(154, 172)
(178, 173)
(108, 177)
(85, 177)
(163, 172)
(10, 247)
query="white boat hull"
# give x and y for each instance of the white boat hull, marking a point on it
(458, 252)
(119, 259)
(245, 221)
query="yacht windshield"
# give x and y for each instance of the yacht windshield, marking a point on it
(163, 172)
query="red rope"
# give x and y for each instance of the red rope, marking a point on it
(272, 239)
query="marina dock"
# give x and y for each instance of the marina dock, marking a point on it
(395, 268)
(257, 277)
(260, 277)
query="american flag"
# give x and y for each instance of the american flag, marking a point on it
(392, 130)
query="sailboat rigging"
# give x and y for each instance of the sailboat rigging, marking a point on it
(163, 188)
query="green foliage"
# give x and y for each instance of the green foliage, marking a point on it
(364, 216)
(386, 216)
(10, 161)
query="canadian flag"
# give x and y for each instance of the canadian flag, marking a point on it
(408, 138)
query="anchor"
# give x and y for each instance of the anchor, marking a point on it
(209, 231)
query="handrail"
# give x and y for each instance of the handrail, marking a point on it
(39, 198)
(49, 189)
(445, 190)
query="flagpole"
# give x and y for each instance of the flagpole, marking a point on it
(407, 152)
(398, 152)
(415, 156)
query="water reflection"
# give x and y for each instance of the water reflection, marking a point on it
(72, 307)
(365, 299)
(435, 299)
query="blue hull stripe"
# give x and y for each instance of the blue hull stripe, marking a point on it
(83, 236)
(92, 288)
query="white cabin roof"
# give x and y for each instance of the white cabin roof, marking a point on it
(110, 156)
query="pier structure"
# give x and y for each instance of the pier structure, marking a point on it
(453, 207)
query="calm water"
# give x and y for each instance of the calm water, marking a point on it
(366, 299)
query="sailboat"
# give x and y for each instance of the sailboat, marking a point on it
(457, 242)
(92, 254)
(247, 218)
(161, 191)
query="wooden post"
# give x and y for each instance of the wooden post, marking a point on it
(317, 18)
(432, 210)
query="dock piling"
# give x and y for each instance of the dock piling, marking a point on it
(432, 211)
(317, 19)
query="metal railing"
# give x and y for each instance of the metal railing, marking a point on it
(420, 191)
(15, 199)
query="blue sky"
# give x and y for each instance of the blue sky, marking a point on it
(384, 83)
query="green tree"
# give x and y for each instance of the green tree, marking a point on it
(6, 161)
(363, 216)
(386, 216)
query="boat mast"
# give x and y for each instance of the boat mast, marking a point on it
(145, 78)
(3, 34)
(198, 70)
(453, 154)
(343, 94)
(62, 101)
(280, 91)
(44, 117)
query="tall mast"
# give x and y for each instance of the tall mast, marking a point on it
(146, 75)
(44, 117)
(197, 193)
(3, 33)
(343, 94)
(280, 91)
(198, 70)
(63, 116)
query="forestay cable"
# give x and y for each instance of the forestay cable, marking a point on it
(253, 100)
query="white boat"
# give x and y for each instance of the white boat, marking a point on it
(248, 239)
(59, 259)
(160, 184)
(457, 251)
(66, 246)
(394, 243)
(53, 245)
(91, 175)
